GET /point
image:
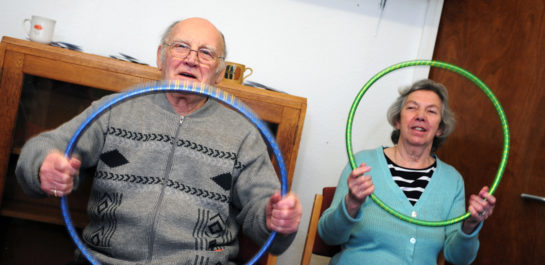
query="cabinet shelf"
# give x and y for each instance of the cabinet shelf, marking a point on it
(41, 213)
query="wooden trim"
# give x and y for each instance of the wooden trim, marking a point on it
(312, 229)
(12, 80)
(271, 259)
(83, 59)
(79, 74)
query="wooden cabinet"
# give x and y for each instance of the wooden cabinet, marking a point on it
(41, 86)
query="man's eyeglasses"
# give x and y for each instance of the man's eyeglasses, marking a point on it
(182, 50)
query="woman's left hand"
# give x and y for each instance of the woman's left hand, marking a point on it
(481, 207)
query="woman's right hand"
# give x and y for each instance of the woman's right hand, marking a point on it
(359, 188)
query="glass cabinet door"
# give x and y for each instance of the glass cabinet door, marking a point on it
(45, 104)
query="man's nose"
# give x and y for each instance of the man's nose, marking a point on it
(192, 58)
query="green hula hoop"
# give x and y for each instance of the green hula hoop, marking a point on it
(458, 70)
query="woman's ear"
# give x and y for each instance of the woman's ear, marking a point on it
(396, 125)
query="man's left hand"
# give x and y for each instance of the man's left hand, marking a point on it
(283, 214)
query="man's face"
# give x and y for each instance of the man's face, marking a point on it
(197, 34)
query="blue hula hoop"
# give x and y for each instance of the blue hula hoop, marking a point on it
(176, 86)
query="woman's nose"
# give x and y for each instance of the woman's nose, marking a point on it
(420, 116)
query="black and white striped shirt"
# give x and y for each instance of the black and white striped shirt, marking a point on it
(412, 182)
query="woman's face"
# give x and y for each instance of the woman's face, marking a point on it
(420, 118)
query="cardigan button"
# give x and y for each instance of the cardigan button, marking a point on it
(413, 214)
(413, 240)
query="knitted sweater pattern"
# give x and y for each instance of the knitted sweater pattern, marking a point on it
(177, 188)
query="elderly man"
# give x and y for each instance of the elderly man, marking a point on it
(192, 204)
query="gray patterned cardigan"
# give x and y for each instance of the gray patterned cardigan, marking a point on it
(167, 189)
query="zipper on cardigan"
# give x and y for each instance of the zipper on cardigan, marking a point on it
(168, 168)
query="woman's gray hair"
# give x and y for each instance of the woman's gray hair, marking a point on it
(448, 121)
(166, 35)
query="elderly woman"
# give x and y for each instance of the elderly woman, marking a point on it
(410, 178)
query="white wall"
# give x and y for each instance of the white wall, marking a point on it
(324, 50)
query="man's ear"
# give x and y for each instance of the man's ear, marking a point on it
(159, 58)
(220, 75)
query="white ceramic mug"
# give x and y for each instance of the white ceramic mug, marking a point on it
(41, 29)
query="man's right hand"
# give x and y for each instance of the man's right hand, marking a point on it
(57, 174)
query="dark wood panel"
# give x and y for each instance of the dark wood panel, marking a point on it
(502, 42)
(24, 242)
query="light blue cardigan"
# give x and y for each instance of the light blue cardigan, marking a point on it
(376, 237)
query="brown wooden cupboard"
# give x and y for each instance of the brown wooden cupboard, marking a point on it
(42, 86)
